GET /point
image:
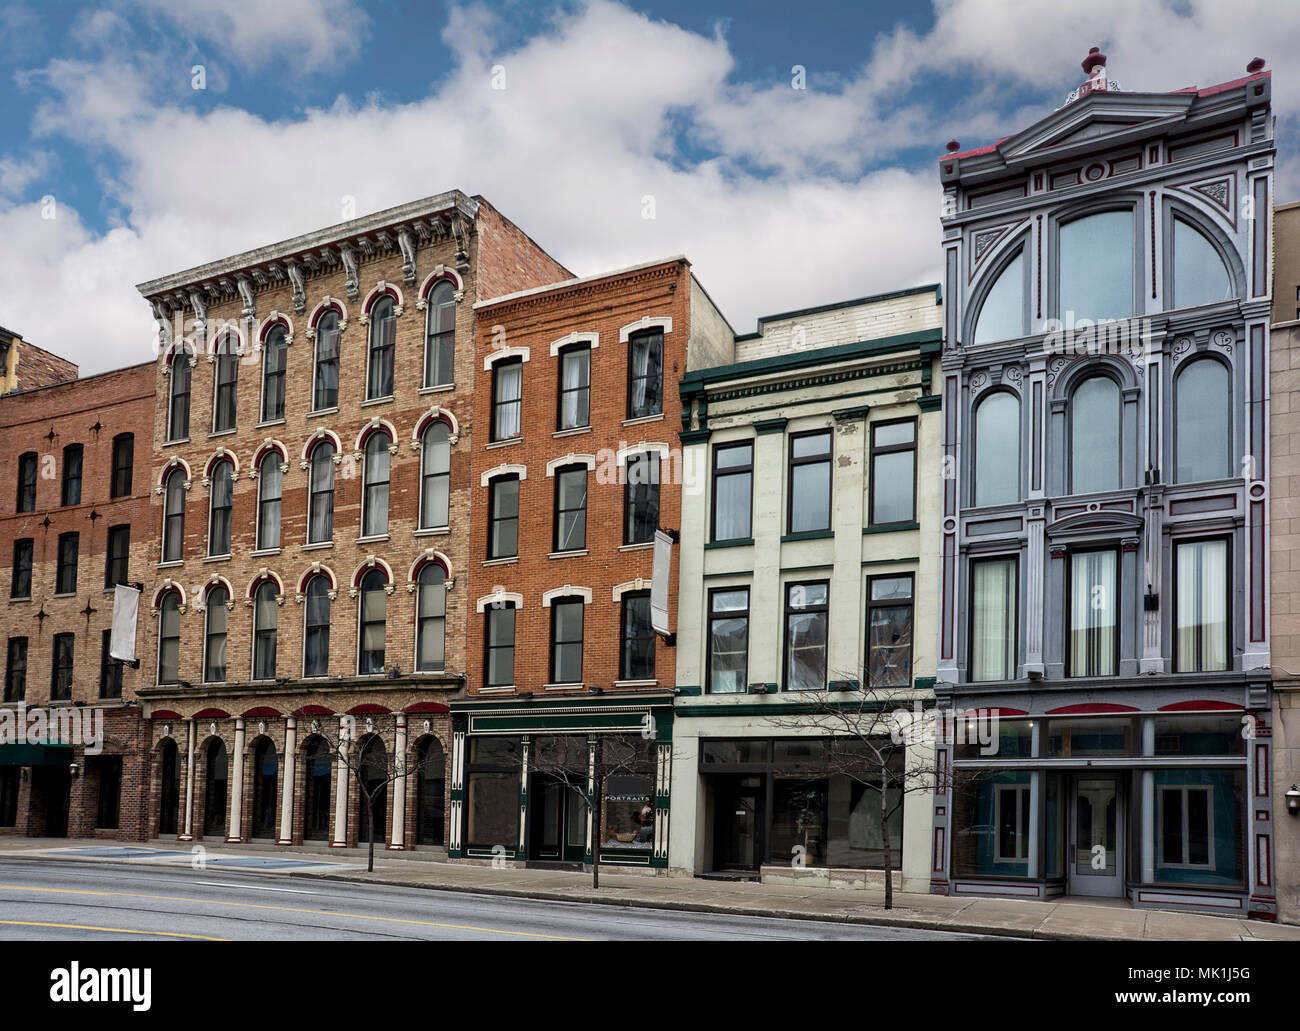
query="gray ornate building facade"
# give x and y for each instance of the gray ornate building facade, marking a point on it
(1103, 654)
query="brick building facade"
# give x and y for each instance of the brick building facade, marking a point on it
(574, 467)
(74, 515)
(24, 366)
(311, 490)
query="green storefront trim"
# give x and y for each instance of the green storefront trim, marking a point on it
(891, 528)
(35, 754)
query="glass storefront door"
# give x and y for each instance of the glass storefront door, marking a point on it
(558, 820)
(1096, 826)
(738, 810)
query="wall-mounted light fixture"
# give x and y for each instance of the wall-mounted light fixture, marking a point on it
(1293, 800)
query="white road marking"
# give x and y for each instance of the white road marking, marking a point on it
(255, 887)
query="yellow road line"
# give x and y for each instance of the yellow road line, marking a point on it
(114, 930)
(284, 909)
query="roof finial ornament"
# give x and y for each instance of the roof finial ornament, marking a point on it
(1094, 65)
(1256, 65)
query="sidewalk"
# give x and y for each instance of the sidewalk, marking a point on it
(1068, 920)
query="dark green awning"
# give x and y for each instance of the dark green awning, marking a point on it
(35, 755)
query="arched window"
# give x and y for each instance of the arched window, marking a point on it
(320, 503)
(265, 623)
(374, 504)
(178, 400)
(169, 639)
(1002, 314)
(1199, 275)
(266, 776)
(431, 619)
(275, 349)
(373, 772)
(379, 370)
(1202, 428)
(1096, 267)
(223, 489)
(440, 336)
(374, 614)
(174, 516)
(316, 640)
(1095, 436)
(214, 794)
(316, 797)
(224, 404)
(435, 475)
(270, 486)
(214, 637)
(325, 381)
(169, 784)
(432, 788)
(997, 449)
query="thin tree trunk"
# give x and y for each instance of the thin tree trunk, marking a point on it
(884, 837)
(597, 831)
(370, 827)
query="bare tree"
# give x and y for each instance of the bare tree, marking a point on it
(373, 772)
(583, 764)
(866, 735)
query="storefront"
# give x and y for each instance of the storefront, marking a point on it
(1160, 807)
(527, 777)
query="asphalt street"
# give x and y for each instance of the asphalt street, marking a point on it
(105, 901)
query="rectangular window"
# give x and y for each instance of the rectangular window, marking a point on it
(123, 464)
(72, 457)
(645, 373)
(118, 554)
(20, 586)
(110, 669)
(889, 631)
(807, 618)
(1201, 606)
(993, 619)
(1186, 826)
(893, 473)
(274, 354)
(500, 640)
(65, 577)
(503, 518)
(638, 656)
(16, 670)
(809, 485)
(507, 398)
(1094, 614)
(223, 407)
(575, 388)
(733, 490)
(571, 509)
(728, 663)
(566, 640)
(61, 668)
(27, 482)
(641, 497)
(1012, 823)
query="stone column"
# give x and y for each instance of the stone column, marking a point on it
(187, 833)
(287, 784)
(236, 832)
(341, 792)
(397, 825)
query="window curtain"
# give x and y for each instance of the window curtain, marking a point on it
(575, 398)
(509, 382)
(992, 627)
(1092, 614)
(1202, 606)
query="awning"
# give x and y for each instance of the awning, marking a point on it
(35, 755)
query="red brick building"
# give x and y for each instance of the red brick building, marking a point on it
(574, 466)
(74, 516)
(310, 524)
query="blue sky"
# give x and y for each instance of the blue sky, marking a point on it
(829, 192)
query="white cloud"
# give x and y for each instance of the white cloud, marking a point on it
(587, 127)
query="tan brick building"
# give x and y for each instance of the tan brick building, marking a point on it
(74, 516)
(310, 522)
(24, 366)
(575, 465)
(1284, 370)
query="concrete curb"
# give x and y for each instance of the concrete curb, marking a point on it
(771, 912)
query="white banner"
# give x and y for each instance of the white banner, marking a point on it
(126, 609)
(663, 567)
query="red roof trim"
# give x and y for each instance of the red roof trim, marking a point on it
(368, 709)
(166, 714)
(261, 710)
(1089, 708)
(212, 714)
(313, 710)
(427, 707)
(1202, 705)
